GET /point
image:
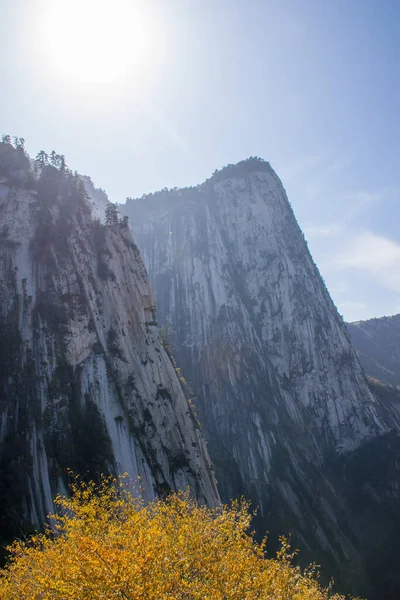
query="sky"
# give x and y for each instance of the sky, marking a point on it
(161, 93)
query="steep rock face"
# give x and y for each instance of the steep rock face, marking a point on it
(278, 387)
(85, 382)
(377, 342)
(98, 199)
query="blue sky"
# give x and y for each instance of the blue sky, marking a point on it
(311, 86)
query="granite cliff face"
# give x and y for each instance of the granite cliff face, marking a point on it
(377, 342)
(279, 389)
(85, 382)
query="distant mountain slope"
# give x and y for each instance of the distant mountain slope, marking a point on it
(377, 342)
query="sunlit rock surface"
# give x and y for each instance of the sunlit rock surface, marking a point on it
(279, 390)
(85, 381)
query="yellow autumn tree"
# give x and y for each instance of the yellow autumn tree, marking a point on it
(104, 543)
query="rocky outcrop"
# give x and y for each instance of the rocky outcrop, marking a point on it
(377, 342)
(279, 390)
(85, 382)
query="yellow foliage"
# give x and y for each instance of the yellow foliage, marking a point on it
(107, 544)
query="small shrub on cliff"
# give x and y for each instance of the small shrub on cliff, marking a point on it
(110, 545)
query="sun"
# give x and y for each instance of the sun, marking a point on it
(93, 40)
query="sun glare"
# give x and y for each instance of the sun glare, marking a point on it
(94, 40)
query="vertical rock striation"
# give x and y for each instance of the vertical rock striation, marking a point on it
(85, 382)
(279, 389)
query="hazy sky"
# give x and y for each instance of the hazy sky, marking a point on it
(311, 86)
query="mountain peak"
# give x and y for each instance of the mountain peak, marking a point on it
(249, 165)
